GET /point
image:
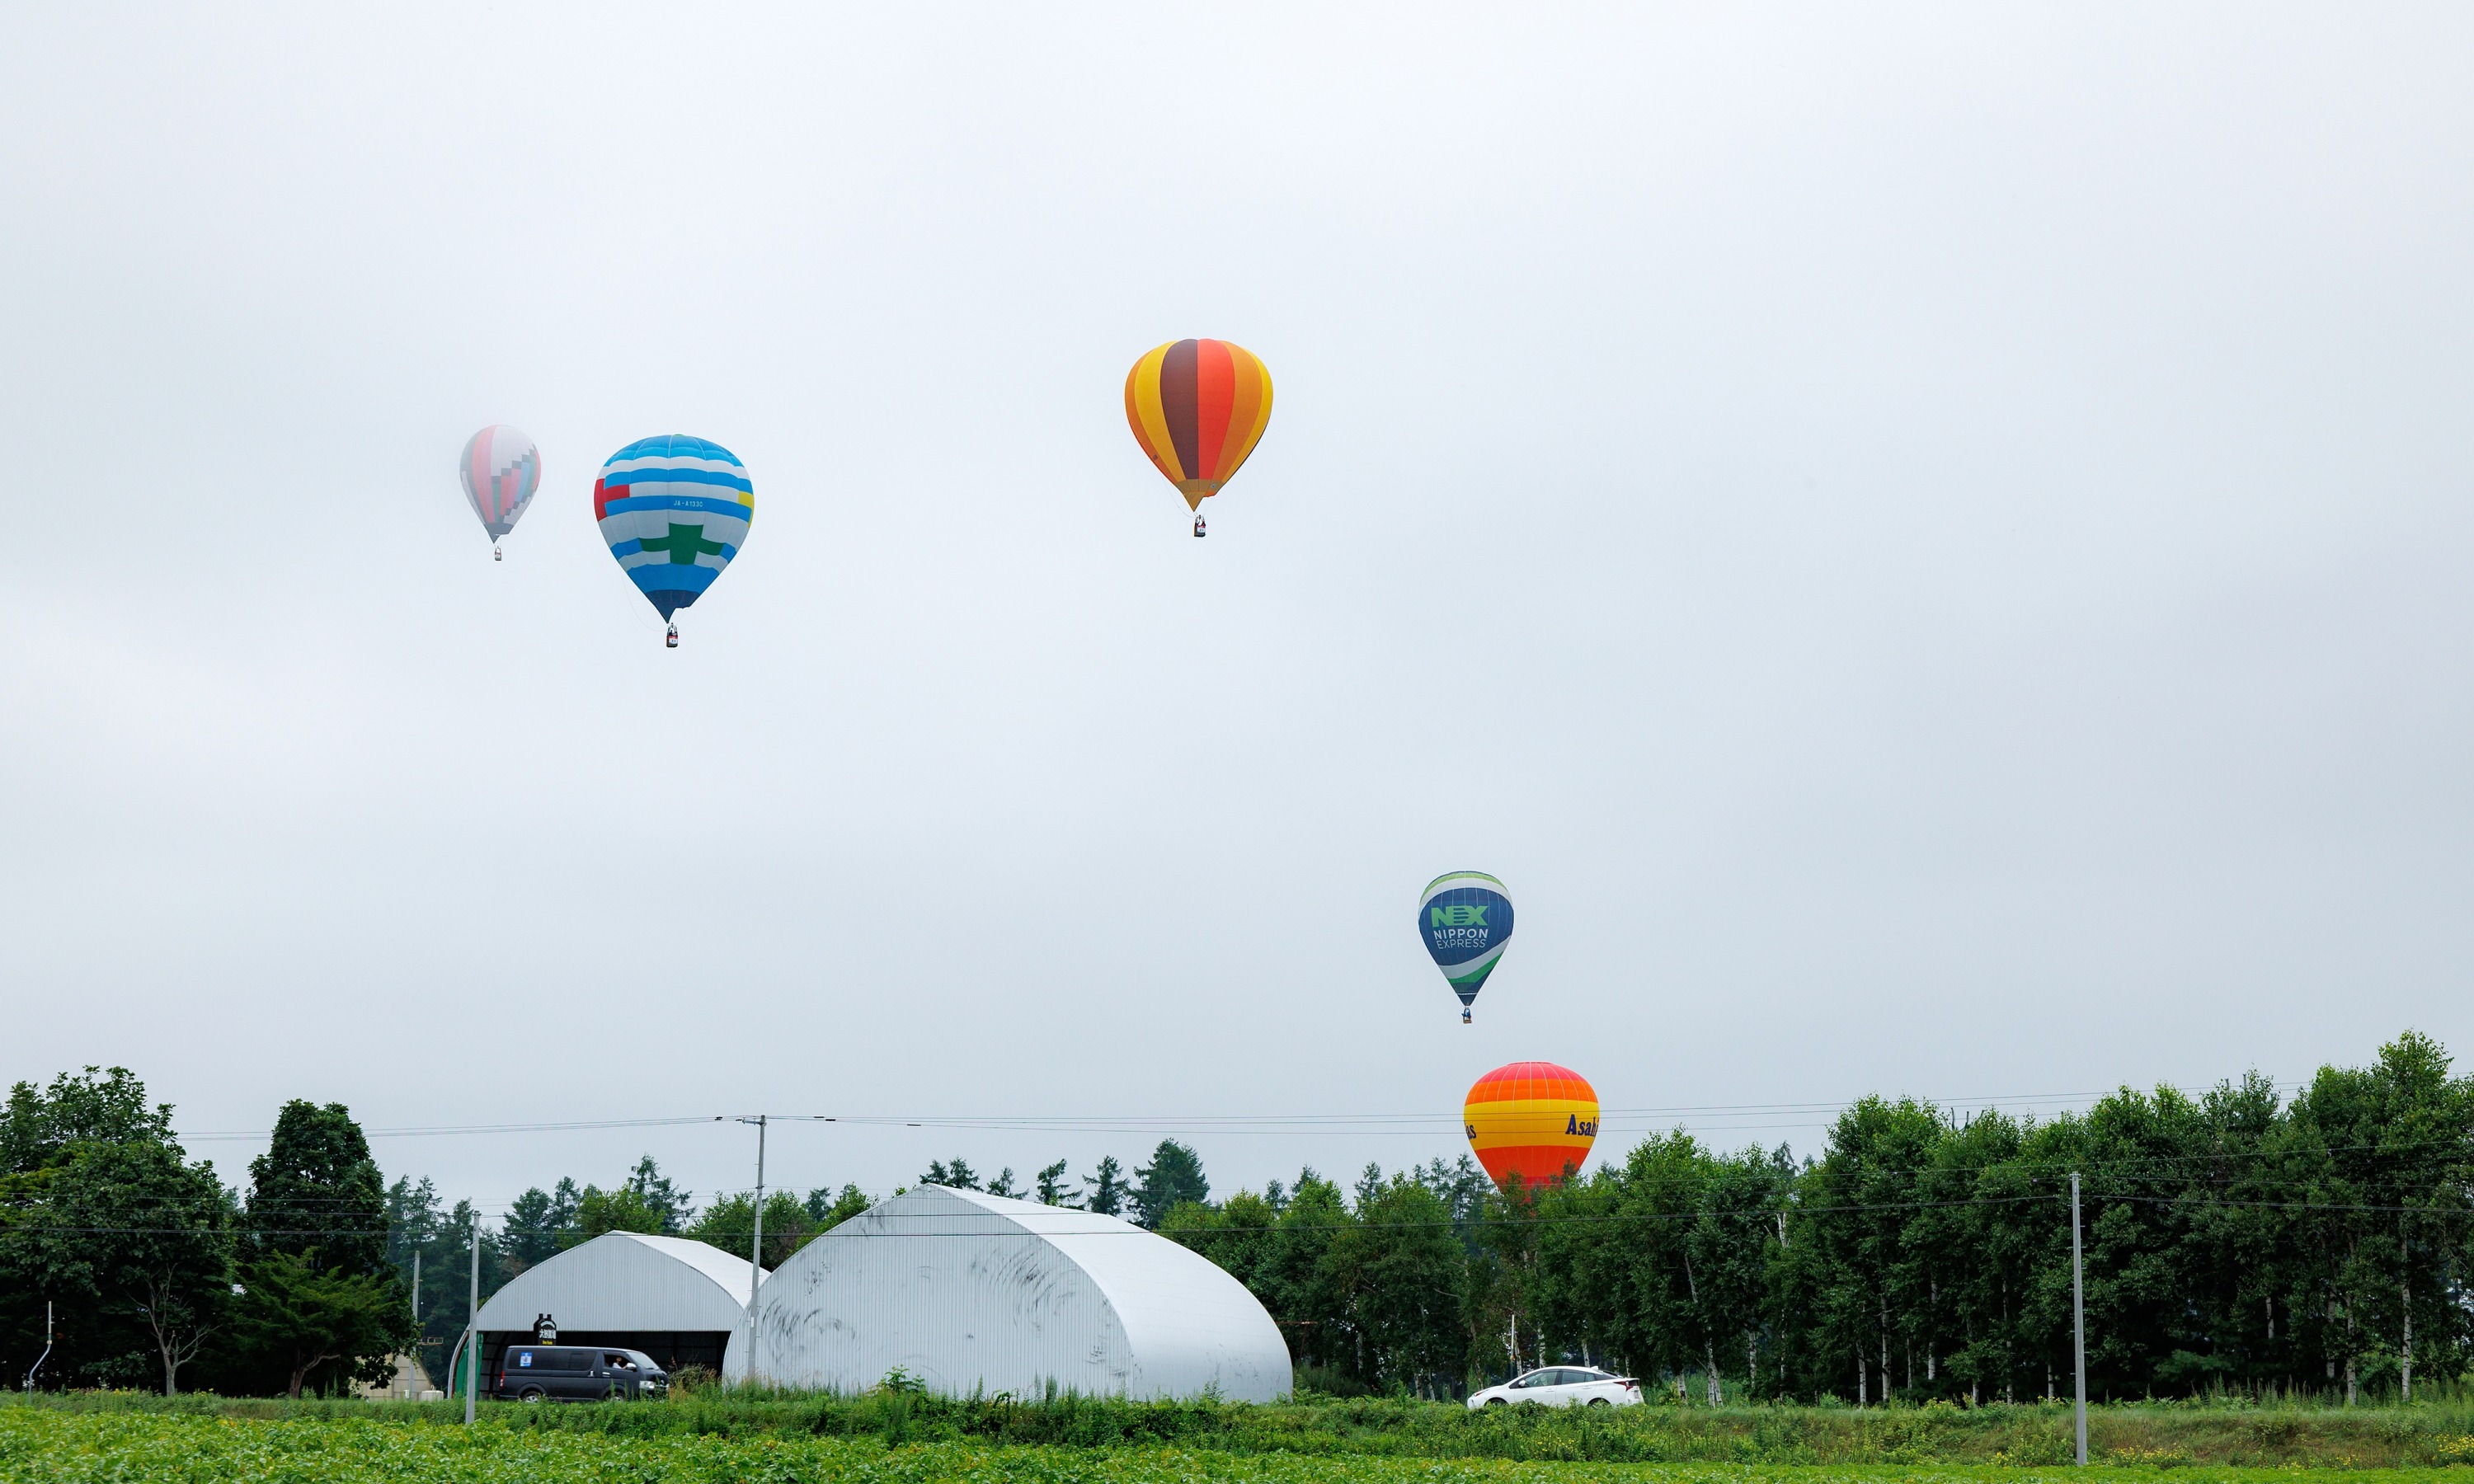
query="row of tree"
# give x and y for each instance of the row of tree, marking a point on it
(142, 1268)
(1173, 1179)
(145, 1270)
(2319, 1244)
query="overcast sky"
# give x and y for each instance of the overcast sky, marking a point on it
(1927, 546)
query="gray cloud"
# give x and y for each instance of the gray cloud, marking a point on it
(1926, 547)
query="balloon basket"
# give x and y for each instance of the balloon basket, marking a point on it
(672, 640)
(1197, 525)
(496, 555)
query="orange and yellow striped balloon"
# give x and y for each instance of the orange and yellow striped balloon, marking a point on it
(1197, 407)
(1531, 1119)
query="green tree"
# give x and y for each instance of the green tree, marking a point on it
(1664, 1321)
(653, 1190)
(1589, 1245)
(1236, 1236)
(2384, 1155)
(2230, 1200)
(729, 1223)
(316, 1186)
(1463, 1188)
(1398, 1266)
(99, 1106)
(956, 1175)
(102, 1215)
(313, 1317)
(171, 1259)
(1504, 1288)
(1051, 1190)
(316, 1231)
(827, 1209)
(541, 1224)
(416, 1223)
(626, 1209)
(1728, 1252)
(1858, 1198)
(146, 1239)
(1172, 1178)
(1296, 1282)
(1107, 1190)
(1970, 1252)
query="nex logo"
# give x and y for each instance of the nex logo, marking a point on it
(1456, 917)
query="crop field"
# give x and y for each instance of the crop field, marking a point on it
(57, 1447)
(894, 1438)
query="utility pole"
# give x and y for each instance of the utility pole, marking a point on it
(411, 1392)
(2078, 1318)
(756, 1244)
(473, 1329)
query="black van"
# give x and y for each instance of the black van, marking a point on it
(576, 1373)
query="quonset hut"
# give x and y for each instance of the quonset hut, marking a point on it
(967, 1291)
(681, 1302)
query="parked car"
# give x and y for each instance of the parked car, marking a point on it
(577, 1373)
(1562, 1386)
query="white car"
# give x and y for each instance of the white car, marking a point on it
(1562, 1386)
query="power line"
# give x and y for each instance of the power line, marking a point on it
(475, 1128)
(1114, 1123)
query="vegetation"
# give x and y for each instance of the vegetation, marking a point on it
(810, 1437)
(315, 1297)
(159, 1274)
(2237, 1243)
(2232, 1241)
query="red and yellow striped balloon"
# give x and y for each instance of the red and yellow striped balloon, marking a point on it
(1197, 407)
(1531, 1119)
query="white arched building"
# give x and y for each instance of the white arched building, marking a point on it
(969, 1291)
(681, 1302)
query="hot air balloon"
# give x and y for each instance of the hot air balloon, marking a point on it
(675, 510)
(1197, 407)
(1465, 919)
(1531, 1119)
(500, 469)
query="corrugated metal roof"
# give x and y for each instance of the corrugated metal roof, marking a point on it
(970, 1291)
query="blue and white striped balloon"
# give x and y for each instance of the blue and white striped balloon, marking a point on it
(675, 510)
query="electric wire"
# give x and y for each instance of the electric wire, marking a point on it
(1360, 1123)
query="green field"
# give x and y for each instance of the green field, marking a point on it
(736, 1436)
(59, 1447)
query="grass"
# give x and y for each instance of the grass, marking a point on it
(67, 1446)
(2140, 1436)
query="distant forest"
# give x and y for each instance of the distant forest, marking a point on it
(2234, 1240)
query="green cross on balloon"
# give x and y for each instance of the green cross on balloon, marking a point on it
(684, 544)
